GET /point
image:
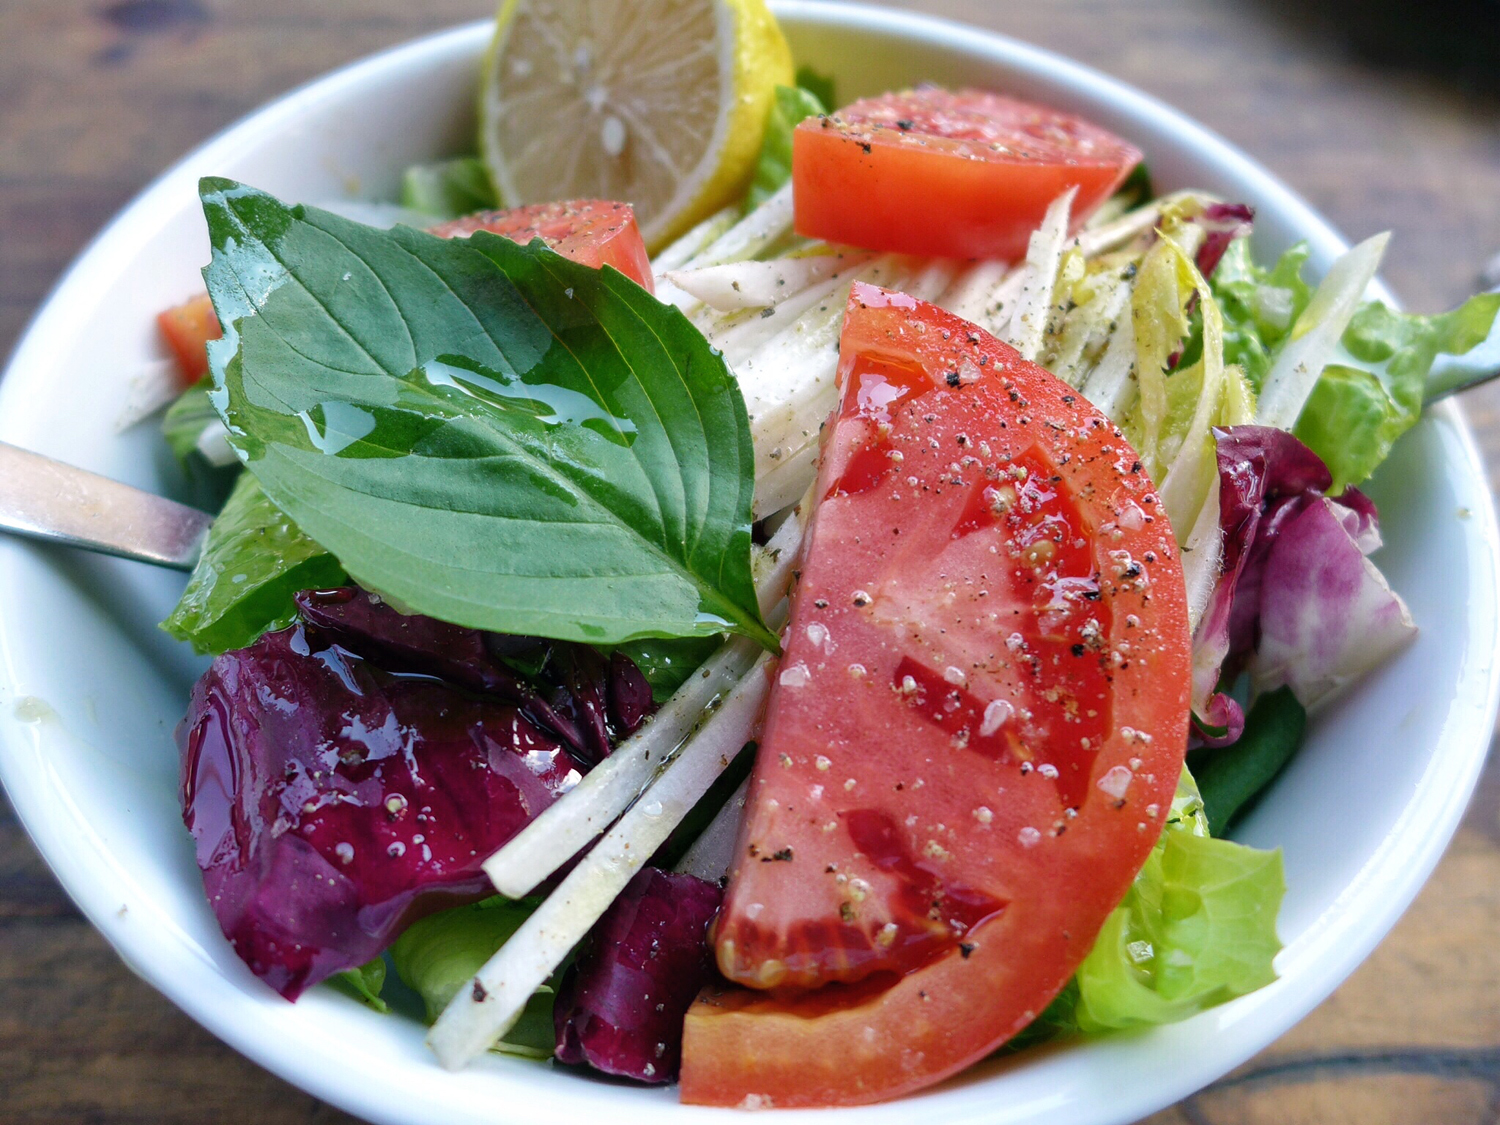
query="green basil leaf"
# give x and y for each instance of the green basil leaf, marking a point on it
(487, 433)
(253, 563)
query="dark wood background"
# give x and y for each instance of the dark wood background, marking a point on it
(1384, 114)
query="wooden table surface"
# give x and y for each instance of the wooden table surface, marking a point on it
(1383, 115)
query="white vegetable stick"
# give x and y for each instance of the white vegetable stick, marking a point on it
(1200, 558)
(1111, 385)
(751, 235)
(984, 292)
(790, 478)
(679, 252)
(1097, 240)
(149, 386)
(589, 807)
(1316, 334)
(486, 1010)
(738, 286)
(213, 445)
(741, 335)
(586, 810)
(1043, 255)
(930, 282)
(1089, 327)
(708, 857)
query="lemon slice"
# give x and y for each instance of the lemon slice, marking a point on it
(659, 103)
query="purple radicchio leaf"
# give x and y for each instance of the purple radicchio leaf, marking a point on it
(1258, 467)
(1327, 615)
(331, 802)
(1268, 483)
(580, 709)
(621, 1004)
(1222, 224)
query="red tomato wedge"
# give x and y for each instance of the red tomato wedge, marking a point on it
(594, 232)
(187, 329)
(975, 732)
(960, 175)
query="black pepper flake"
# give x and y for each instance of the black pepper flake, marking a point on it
(767, 311)
(1077, 650)
(904, 126)
(965, 948)
(953, 379)
(782, 856)
(867, 147)
(479, 993)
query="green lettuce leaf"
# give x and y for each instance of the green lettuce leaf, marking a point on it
(1259, 305)
(440, 954)
(364, 983)
(1196, 928)
(487, 433)
(773, 168)
(1354, 415)
(446, 189)
(254, 561)
(818, 85)
(1230, 777)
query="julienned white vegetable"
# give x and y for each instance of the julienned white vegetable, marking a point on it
(709, 856)
(483, 1012)
(743, 286)
(1201, 555)
(570, 822)
(1316, 333)
(1043, 257)
(749, 237)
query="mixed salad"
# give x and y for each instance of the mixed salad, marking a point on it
(803, 660)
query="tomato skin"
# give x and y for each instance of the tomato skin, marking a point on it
(1018, 885)
(187, 329)
(967, 174)
(594, 232)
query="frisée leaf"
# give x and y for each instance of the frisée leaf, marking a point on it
(483, 432)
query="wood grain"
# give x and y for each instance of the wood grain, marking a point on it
(95, 98)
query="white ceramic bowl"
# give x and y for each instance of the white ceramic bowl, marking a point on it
(90, 689)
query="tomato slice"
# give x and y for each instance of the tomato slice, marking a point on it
(962, 175)
(187, 329)
(974, 736)
(595, 232)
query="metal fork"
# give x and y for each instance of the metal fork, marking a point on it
(45, 499)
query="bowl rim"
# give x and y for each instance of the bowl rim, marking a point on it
(1329, 952)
